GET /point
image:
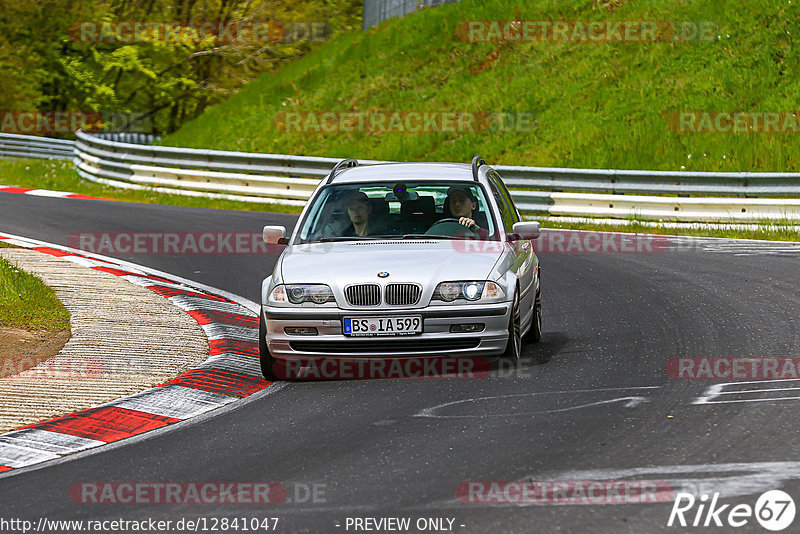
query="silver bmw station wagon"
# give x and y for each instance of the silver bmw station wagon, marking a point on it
(403, 260)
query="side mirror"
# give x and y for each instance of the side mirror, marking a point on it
(274, 235)
(527, 230)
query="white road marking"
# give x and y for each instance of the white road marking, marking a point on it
(226, 331)
(45, 440)
(174, 401)
(736, 247)
(629, 402)
(86, 262)
(48, 193)
(146, 282)
(234, 363)
(189, 303)
(716, 391)
(16, 456)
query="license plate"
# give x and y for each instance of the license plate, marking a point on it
(383, 326)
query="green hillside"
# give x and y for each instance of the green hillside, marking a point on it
(596, 104)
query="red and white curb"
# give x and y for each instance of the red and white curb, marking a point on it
(47, 193)
(231, 372)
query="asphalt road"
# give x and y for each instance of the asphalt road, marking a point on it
(602, 408)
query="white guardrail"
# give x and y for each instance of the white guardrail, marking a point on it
(724, 197)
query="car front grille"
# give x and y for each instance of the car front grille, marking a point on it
(363, 295)
(384, 346)
(402, 294)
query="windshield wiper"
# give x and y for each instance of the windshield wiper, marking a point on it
(382, 237)
(339, 238)
(347, 238)
(427, 236)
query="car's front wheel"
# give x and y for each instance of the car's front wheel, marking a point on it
(267, 361)
(514, 344)
(534, 334)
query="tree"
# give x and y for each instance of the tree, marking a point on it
(60, 55)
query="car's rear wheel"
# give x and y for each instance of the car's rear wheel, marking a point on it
(264, 355)
(514, 344)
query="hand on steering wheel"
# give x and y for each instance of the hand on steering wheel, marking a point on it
(469, 223)
(451, 221)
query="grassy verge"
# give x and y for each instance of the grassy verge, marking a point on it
(61, 176)
(608, 104)
(25, 302)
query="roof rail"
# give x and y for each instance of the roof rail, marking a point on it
(346, 163)
(477, 161)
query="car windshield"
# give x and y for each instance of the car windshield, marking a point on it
(399, 210)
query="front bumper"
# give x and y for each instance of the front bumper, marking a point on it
(436, 340)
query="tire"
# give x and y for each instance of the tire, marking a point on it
(514, 343)
(534, 334)
(264, 355)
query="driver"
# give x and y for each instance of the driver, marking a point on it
(359, 210)
(462, 203)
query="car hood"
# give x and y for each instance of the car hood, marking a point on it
(425, 262)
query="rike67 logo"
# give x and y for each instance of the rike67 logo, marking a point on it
(774, 510)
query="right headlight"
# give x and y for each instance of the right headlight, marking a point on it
(301, 293)
(472, 291)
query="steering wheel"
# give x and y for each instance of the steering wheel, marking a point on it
(449, 226)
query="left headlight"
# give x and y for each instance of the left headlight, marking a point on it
(469, 290)
(301, 293)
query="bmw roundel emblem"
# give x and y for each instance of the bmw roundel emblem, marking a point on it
(383, 274)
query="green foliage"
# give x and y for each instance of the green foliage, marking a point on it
(47, 63)
(597, 104)
(25, 302)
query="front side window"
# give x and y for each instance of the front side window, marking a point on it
(506, 196)
(398, 210)
(506, 212)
